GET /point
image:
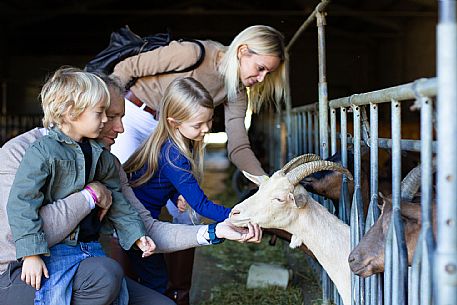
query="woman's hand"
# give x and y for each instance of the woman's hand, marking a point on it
(104, 197)
(147, 245)
(181, 204)
(227, 230)
(33, 268)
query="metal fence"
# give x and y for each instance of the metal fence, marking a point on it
(432, 278)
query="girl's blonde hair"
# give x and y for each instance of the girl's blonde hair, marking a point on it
(181, 101)
(71, 89)
(261, 40)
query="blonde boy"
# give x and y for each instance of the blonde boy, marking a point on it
(57, 165)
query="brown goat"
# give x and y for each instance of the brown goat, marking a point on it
(367, 258)
(328, 183)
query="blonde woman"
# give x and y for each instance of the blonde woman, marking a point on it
(256, 59)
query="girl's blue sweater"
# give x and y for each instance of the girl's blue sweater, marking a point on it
(174, 178)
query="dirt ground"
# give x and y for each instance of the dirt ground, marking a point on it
(228, 264)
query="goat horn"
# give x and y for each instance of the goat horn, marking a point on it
(300, 160)
(410, 184)
(307, 169)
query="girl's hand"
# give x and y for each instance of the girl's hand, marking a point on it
(147, 245)
(251, 234)
(33, 268)
(181, 204)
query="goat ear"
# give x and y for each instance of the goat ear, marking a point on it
(299, 200)
(301, 197)
(382, 201)
(256, 179)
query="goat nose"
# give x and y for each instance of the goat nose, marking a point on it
(234, 212)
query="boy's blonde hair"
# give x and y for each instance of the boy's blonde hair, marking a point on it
(261, 40)
(71, 90)
(181, 101)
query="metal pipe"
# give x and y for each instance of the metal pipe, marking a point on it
(344, 138)
(426, 87)
(427, 243)
(319, 8)
(445, 263)
(323, 95)
(399, 253)
(316, 132)
(310, 107)
(310, 132)
(333, 143)
(305, 133)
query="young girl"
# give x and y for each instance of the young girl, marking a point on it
(170, 162)
(57, 165)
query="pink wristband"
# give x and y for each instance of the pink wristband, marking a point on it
(92, 193)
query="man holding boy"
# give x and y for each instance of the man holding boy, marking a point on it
(97, 280)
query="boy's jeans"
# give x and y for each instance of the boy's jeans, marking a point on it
(62, 265)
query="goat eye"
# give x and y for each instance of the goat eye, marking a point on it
(280, 200)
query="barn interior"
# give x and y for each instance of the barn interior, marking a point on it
(369, 44)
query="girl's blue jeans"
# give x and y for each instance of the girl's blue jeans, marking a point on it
(62, 265)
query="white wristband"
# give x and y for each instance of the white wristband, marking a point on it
(89, 199)
(201, 236)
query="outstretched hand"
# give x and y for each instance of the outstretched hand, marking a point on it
(227, 230)
(146, 244)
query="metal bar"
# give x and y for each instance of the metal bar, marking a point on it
(306, 108)
(357, 204)
(373, 282)
(319, 8)
(344, 212)
(399, 256)
(323, 95)
(408, 145)
(405, 144)
(427, 243)
(426, 87)
(374, 123)
(300, 131)
(293, 136)
(344, 138)
(445, 264)
(316, 132)
(305, 134)
(288, 103)
(310, 132)
(333, 143)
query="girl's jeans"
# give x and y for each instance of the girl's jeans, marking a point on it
(62, 265)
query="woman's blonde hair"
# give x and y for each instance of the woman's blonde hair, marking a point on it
(261, 40)
(71, 89)
(181, 101)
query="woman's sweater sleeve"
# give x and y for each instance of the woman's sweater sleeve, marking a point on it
(238, 146)
(179, 174)
(157, 61)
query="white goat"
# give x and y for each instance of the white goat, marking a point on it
(282, 203)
